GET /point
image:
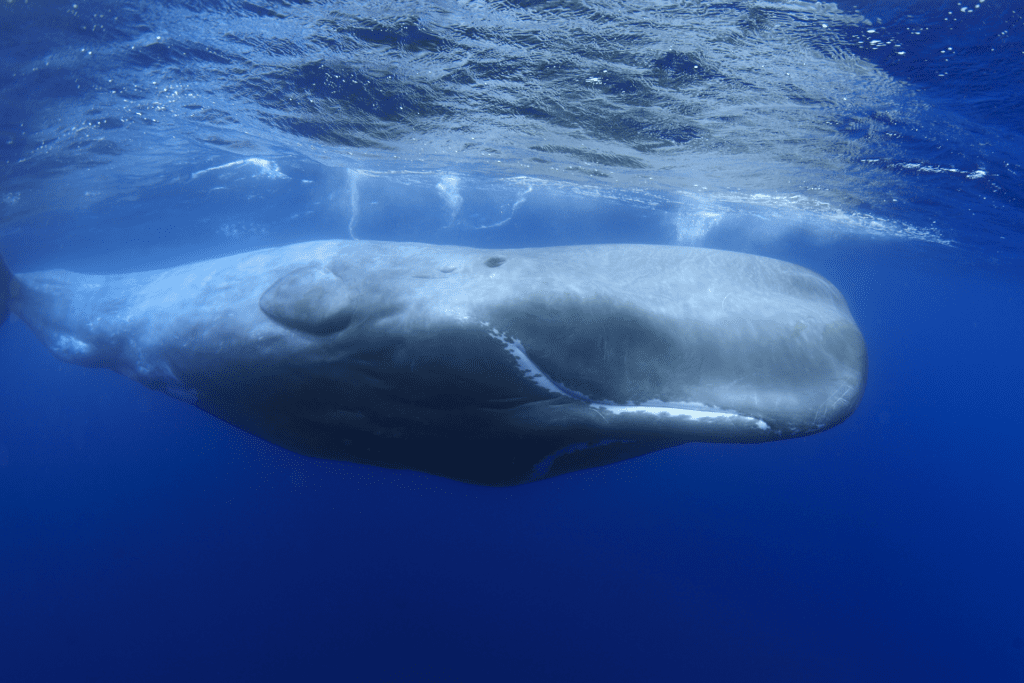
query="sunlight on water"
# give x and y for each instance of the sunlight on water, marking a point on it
(786, 106)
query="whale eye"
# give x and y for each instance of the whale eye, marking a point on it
(494, 261)
(310, 299)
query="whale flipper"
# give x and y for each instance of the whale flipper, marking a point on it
(310, 299)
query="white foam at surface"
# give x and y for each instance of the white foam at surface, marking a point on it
(264, 168)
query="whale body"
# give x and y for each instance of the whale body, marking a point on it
(495, 367)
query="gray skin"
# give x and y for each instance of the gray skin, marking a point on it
(494, 367)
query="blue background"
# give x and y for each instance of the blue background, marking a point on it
(141, 539)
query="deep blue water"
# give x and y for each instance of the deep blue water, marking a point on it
(878, 143)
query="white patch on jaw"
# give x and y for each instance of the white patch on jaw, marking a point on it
(672, 411)
(688, 411)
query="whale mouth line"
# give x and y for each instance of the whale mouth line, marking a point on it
(689, 411)
(669, 410)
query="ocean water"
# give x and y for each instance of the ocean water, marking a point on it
(878, 143)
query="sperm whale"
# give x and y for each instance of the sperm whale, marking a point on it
(491, 366)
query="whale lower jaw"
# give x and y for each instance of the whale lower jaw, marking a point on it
(667, 410)
(686, 411)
